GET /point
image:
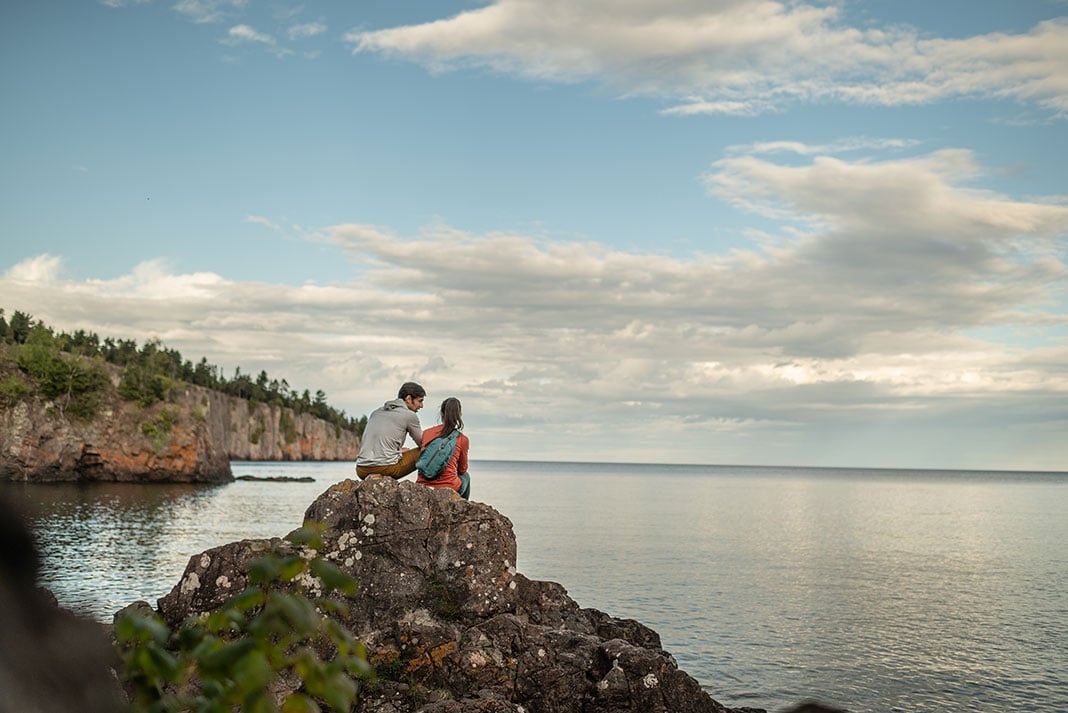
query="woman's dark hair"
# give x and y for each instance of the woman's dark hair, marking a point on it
(450, 416)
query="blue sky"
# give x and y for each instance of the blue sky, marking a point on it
(798, 233)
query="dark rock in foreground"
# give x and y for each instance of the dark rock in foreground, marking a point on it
(441, 604)
(51, 661)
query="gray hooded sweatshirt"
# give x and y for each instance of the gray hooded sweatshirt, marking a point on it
(385, 431)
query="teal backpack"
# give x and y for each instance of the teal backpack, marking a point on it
(436, 455)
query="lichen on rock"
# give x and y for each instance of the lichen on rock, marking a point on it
(448, 622)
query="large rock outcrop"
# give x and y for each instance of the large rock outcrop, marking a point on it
(189, 438)
(441, 605)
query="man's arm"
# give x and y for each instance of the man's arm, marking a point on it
(415, 431)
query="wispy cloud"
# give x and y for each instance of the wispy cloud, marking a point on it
(260, 220)
(244, 33)
(737, 56)
(303, 31)
(205, 11)
(845, 145)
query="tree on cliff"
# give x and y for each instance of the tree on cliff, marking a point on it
(20, 327)
(73, 382)
(149, 372)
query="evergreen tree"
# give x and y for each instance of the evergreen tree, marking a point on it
(63, 364)
(21, 323)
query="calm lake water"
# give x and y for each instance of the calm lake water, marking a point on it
(872, 590)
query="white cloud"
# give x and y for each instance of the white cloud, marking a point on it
(245, 33)
(846, 145)
(865, 315)
(40, 270)
(205, 11)
(305, 30)
(260, 220)
(735, 56)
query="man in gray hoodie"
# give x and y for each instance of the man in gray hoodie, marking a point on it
(381, 451)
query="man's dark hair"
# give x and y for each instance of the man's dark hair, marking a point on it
(410, 388)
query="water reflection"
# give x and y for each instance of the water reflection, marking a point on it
(874, 590)
(105, 544)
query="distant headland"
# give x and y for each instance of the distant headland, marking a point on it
(74, 407)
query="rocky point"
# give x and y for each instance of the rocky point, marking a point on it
(442, 606)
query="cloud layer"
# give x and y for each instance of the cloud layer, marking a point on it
(735, 56)
(893, 292)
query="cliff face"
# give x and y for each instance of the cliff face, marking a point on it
(262, 432)
(189, 438)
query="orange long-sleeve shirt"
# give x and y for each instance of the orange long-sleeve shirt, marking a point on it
(450, 476)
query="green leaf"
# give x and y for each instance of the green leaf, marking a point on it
(300, 703)
(253, 671)
(222, 659)
(308, 536)
(166, 665)
(297, 611)
(340, 692)
(264, 569)
(138, 627)
(259, 702)
(246, 600)
(333, 607)
(358, 666)
(333, 577)
(340, 636)
(290, 567)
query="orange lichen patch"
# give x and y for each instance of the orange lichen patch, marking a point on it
(438, 653)
(435, 656)
(344, 486)
(382, 656)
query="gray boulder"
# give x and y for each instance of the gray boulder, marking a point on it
(443, 611)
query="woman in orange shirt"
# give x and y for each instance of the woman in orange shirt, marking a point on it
(454, 475)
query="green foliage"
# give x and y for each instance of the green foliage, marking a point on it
(141, 385)
(229, 659)
(153, 370)
(443, 601)
(151, 373)
(20, 327)
(288, 426)
(74, 383)
(13, 388)
(391, 669)
(254, 436)
(159, 429)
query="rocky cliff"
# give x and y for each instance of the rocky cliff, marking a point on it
(189, 438)
(441, 607)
